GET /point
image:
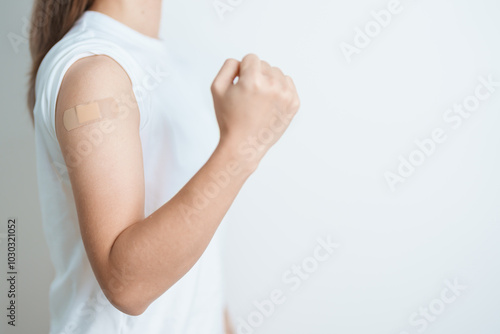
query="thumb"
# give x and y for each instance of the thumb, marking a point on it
(224, 79)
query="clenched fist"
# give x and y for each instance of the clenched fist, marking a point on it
(255, 111)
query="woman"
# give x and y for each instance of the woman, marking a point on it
(134, 175)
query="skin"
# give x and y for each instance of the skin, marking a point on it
(135, 258)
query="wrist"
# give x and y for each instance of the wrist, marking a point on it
(237, 157)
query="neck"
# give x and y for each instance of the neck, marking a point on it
(141, 15)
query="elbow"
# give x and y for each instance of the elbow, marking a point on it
(126, 303)
(128, 293)
(123, 292)
(128, 308)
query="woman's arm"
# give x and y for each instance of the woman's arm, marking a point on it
(135, 258)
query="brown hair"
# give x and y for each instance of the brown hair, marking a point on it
(50, 21)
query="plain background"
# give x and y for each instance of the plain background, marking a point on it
(326, 175)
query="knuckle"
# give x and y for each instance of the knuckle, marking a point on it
(250, 57)
(215, 87)
(212, 86)
(296, 104)
(272, 82)
(277, 70)
(290, 80)
(287, 95)
(251, 84)
(265, 64)
(230, 61)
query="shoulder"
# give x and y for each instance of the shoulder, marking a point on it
(82, 67)
(92, 79)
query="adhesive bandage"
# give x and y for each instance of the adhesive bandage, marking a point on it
(84, 114)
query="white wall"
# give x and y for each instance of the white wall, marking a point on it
(18, 189)
(325, 178)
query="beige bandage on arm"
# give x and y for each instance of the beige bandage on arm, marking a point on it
(84, 114)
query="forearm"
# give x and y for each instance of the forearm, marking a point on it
(148, 257)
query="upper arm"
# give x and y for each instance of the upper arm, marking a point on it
(103, 156)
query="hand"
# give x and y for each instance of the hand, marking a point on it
(254, 112)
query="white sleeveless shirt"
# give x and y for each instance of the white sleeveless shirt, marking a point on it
(178, 132)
